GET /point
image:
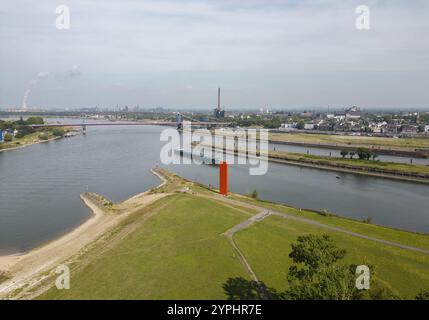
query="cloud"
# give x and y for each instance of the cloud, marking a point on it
(73, 72)
(279, 52)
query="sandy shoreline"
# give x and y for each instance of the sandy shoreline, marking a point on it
(24, 268)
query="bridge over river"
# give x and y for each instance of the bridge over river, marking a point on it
(129, 123)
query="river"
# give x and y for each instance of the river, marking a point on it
(40, 185)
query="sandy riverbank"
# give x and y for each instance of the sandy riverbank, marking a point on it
(28, 268)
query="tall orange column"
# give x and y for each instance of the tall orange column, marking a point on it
(223, 178)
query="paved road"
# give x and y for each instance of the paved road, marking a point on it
(257, 217)
(242, 225)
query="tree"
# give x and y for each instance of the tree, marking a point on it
(374, 156)
(242, 289)
(300, 125)
(344, 153)
(254, 194)
(317, 274)
(423, 295)
(58, 132)
(43, 136)
(20, 121)
(352, 154)
(7, 137)
(315, 252)
(34, 120)
(363, 153)
(24, 130)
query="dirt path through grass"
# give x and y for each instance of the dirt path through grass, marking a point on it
(314, 223)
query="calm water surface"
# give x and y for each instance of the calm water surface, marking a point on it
(40, 185)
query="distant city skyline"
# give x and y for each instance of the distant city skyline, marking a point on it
(175, 54)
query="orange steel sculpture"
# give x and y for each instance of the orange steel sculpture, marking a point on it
(223, 178)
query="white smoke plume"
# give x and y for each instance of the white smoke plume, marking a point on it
(73, 72)
(41, 75)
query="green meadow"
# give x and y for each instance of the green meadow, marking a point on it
(180, 252)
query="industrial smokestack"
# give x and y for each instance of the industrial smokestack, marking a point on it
(218, 98)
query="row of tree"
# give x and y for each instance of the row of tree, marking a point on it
(23, 127)
(362, 153)
(12, 125)
(272, 123)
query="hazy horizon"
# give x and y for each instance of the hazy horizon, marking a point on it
(286, 55)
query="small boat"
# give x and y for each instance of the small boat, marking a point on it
(338, 177)
(69, 134)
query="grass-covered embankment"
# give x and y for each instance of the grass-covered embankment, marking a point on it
(370, 166)
(32, 138)
(408, 144)
(266, 246)
(179, 253)
(176, 249)
(401, 171)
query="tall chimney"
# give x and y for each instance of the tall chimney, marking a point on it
(218, 98)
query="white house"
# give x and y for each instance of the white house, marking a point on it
(309, 126)
(288, 126)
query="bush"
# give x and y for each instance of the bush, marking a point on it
(344, 153)
(34, 120)
(58, 132)
(7, 137)
(367, 220)
(364, 154)
(423, 295)
(253, 194)
(4, 276)
(24, 130)
(43, 136)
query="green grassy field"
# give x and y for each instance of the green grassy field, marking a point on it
(408, 238)
(406, 143)
(179, 252)
(356, 163)
(266, 246)
(28, 139)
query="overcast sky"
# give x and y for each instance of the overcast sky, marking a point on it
(262, 53)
